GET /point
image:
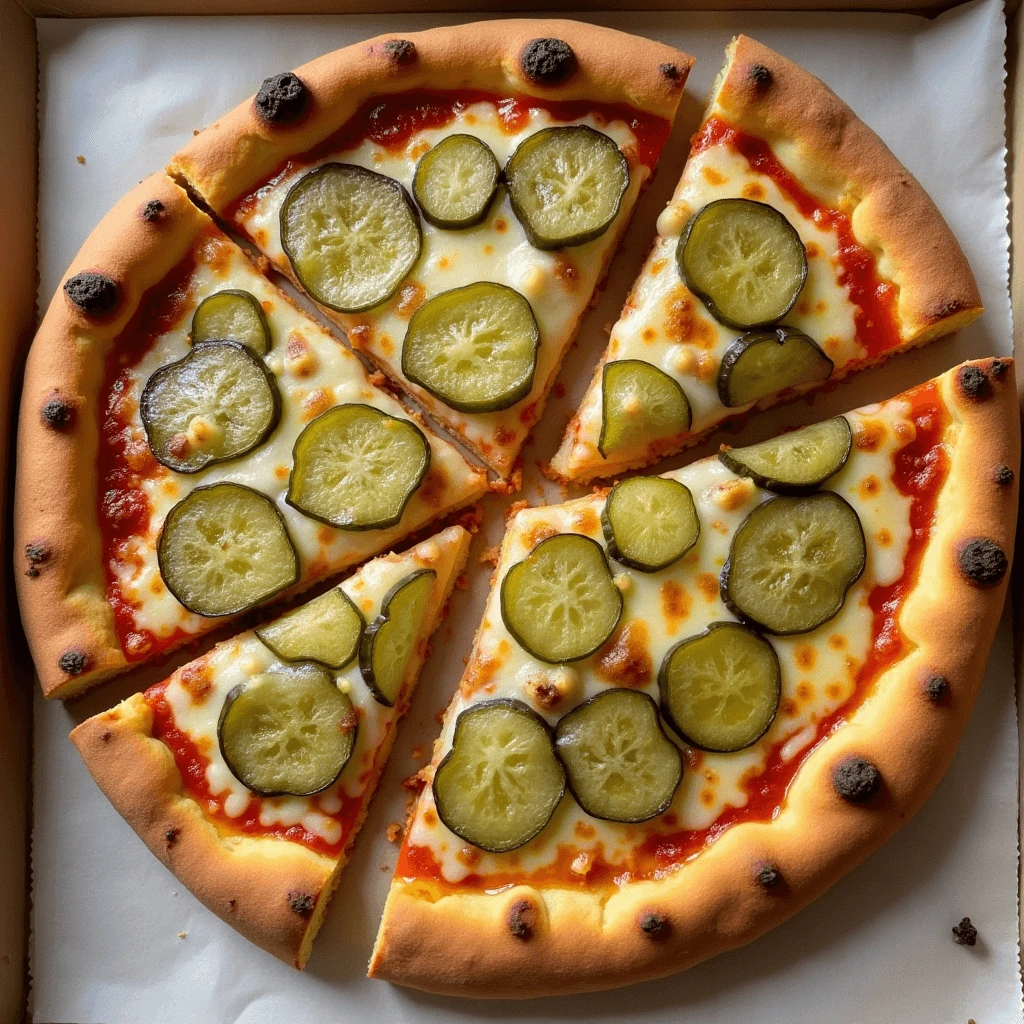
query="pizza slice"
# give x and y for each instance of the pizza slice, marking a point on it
(451, 198)
(697, 700)
(249, 771)
(796, 250)
(191, 445)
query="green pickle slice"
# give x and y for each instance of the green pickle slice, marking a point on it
(326, 630)
(351, 235)
(560, 602)
(225, 549)
(456, 181)
(356, 467)
(232, 315)
(720, 689)
(474, 348)
(762, 363)
(744, 260)
(795, 463)
(390, 640)
(640, 404)
(500, 783)
(620, 764)
(649, 522)
(792, 561)
(566, 185)
(288, 732)
(215, 404)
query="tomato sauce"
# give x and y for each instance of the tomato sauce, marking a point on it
(919, 471)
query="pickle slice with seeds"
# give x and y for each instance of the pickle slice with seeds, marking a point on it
(649, 522)
(232, 315)
(500, 783)
(566, 185)
(474, 348)
(288, 732)
(720, 689)
(351, 235)
(356, 467)
(640, 404)
(326, 630)
(225, 549)
(456, 181)
(763, 363)
(620, 764)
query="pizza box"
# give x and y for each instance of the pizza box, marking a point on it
(21, 164)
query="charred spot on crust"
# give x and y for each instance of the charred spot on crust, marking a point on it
(57, 413)
(936, 688)
(106, 735)
(399, 51)
(232, 904)
(973, 382)
(768, 876)
(670, 72)
(547, 61)
(999, 368)
(95, 294)
(32, 572)
(171, 836)
(37, 552)
(73, 661)
(301, 903)
(983, 562)
(153, 212)
(856, 779)
(1003, 476)
(522, 919)
(964, 933)
(760, 76)
(282, 98)
(654, 925)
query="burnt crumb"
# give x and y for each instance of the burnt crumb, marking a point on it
(37, 552)
(73, 661)
(670, 72)
(936, 687)
(657, 926)
(399, 51)
(282, 98)
(999, 368)
(856, 779)
(964, 933)
(95, 294)
(171, 837)
(547, 61)
(153, 212)
(57, 413)
(301, 903)
(769, 876)
(522, 919)
(760, 76)
(1003, 476)
(973, 382)
(983, 562)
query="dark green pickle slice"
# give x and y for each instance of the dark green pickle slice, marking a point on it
(232, 315)
(649, 522)
(763, 363)
(640, 404)
(326, 630)
(455, 182)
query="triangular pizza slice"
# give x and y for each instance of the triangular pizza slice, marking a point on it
(249, 771)
(452, 198)
(697, 700)
(796, 250)
(192, 444)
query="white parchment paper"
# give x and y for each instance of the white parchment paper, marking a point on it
(116, 939)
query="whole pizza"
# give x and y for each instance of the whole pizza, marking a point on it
(330, 326)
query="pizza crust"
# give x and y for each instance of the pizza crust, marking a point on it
(240, 150)
(465, 943)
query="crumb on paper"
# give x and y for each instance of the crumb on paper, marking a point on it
(417, 752)
(80, 158)
(489, 556)
(512, 485)
(394, 832)
(964, 933)
(385, 868)
(558, 391)
(182, 935)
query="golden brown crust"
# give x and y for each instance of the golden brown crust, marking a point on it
(240, 150)
(462, 943)
(63, 595)
(271, 890)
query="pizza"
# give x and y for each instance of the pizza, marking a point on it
(207, 446)
(248, 772)
(796, 250)
(483, 175)
(697, 700)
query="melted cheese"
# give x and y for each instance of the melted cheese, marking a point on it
(818, 668)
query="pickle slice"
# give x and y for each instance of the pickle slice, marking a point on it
(351, 235)
(356, 467)
(326, 630)
(289, 732)
(500, 783)
(566, 185)
(620, 764)
(217, 403)
(720, 689)
(639, 404)
(795, 463)
(765, 362)
(456, 181)
(649, 522)
(474, 348)
(390, 640)
(560, 602)
(232, 315)
(792, 560)
(225, 549)
(744, 260)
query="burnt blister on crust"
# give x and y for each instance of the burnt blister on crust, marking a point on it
(171, 836)
(973, 382)
(37, 552)
(94, 294)
(301, 903)
(999, 368)
(983, 562)
(57, 413)
(654, 925)
(1003, 476)
(153, 212)
(964, 933)
(936, 688)
(282, 98)
(399, 51)
(73, 661)
(768, 876)
(522, 919)
(547, 61)
(670, 72)
(856, 779)
(760, 76)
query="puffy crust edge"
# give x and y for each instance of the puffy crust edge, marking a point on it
(461, 943)
(240, 150)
